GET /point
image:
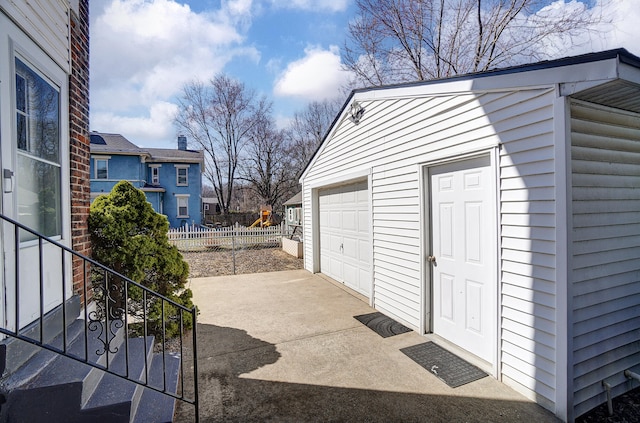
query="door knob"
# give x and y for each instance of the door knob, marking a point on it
(431, 259)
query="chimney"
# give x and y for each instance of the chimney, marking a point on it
(182, 142)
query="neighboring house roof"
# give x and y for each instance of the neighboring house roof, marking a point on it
(210, 200)
(541, 73)
(171, 155)
(112, 143)
(296, 199)
(152, 188)
(103, 143)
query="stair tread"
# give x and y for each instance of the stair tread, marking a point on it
(155, 406)
(41, 360)
(63, 369)
(113, 389)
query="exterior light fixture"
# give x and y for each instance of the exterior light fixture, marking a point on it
(356, 112)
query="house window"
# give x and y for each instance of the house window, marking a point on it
(206, 206)
(183, 205)
(38, 138)
(181, 176)
(101, 169)
(155, 175)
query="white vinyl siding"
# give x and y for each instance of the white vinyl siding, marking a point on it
(606, 246)
(46, 22)
(396, 136)
(528, 248)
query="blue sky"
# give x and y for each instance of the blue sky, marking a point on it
(144, 51)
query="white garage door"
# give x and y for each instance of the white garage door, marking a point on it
(344, 236)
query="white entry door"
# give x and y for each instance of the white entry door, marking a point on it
(344, 235)
(463, 255)
(34, 171)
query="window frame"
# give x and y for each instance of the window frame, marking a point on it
(155, 175)
(179, 199)
(186, 175)
(49, 74)
(96, 168)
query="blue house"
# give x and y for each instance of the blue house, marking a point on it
(171, 179)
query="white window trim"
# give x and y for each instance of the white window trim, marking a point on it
(179, 197)
(155, 179)
(178, 168)
(95, 166)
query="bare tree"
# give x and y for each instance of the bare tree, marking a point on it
(407, 40)
(218, 118)
(307, 130)
(267, 168)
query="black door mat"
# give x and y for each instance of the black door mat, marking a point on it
(445, 365)
(382, 325)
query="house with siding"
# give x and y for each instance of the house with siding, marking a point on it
(170, 178)
(498, 213)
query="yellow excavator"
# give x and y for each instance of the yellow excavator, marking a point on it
(265, 219)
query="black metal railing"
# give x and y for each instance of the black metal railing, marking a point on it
(116, 310)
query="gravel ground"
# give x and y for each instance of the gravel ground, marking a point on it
(220, 263)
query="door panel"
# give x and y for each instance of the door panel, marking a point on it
(463, 244)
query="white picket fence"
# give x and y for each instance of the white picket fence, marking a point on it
(200, 238)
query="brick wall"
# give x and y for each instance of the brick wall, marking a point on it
(79, 138)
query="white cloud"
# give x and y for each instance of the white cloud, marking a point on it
(313, 5)
(144, 131)
(617, 29)
(144, 51)
(317, 76)
(623, 32)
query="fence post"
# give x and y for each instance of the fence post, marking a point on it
(233, 248)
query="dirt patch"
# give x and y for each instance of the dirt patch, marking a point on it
(626, 409)
(221, 263)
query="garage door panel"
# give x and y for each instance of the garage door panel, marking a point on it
(349, 222)
(335, 268)
(335, 244)
(324, 218)
(350, 275)
(344, 235)
(364, 277)
(348, 198)
(350, 248)
(334, 220)
(363, 221)
(363, 251)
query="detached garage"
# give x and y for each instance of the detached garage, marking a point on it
(498, 212)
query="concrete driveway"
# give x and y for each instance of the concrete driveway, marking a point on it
(284, 347)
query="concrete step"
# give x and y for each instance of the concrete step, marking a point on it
(52, 388)
(154, 406)
(19, 352)
(113, 389)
